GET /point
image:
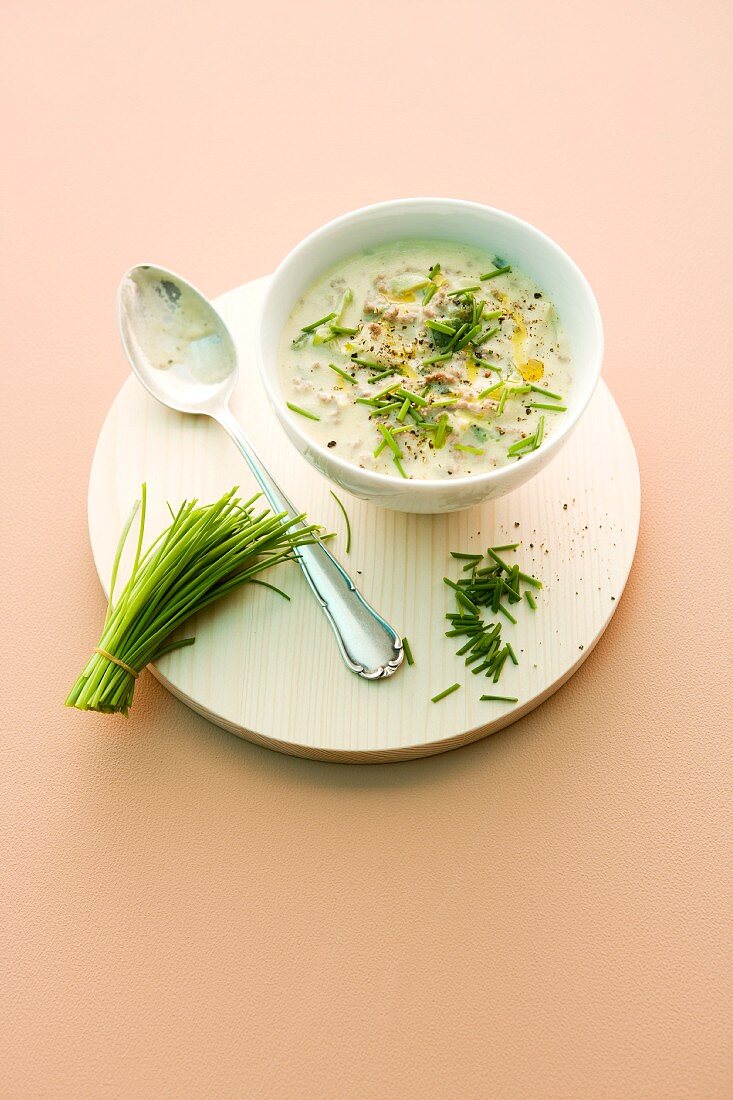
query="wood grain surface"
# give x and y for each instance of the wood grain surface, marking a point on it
(270, 671)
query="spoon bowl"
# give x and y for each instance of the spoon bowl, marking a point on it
(177, 344)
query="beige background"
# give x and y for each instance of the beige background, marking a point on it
(545, 914)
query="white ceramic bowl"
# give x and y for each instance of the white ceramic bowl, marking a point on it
(438, 219)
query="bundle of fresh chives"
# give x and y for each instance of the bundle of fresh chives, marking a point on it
(205, 553)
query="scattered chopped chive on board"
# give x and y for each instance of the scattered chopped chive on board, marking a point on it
(272, 587)
(498, 699)
(346, 520)
(483, 588)
(302, 412)
(408, 652)
(446, 691)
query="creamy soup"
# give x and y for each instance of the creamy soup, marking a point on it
(426, 359)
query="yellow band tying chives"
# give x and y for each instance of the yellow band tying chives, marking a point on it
(116, 661)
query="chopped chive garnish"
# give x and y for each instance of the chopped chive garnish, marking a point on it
(341, 330)
(539, 434)
(321, 338)
(497, 271)
(550, 408)
(441, 433)
(408, 652)
(465, 557)
(519, 389)
(379, 448)
(404, 410)
(442, 694)
(413, 398)
(530, 600)
(346, 299)
(385, 408)
(303, 412)
(487, 365)
(373, 402)
(463, 290)
(390, 389)
(390, 441)
(346, 520)
(367, 363)
(492, 389)
(440, 326)
(317, 324)
(343, 373)
(433, 271)
(429, 291)
(545, 393)
(469, 449)
(493, 315)
(437, 358)
(507, 546)
(398, 464)
(469, 336)
(502, 401)
(456, 337)
(498, 699)
(522, 445)
(442, 402)
(512, 654)
(382, 374)
(487, 334)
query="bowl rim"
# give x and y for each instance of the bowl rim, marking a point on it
(372, 479)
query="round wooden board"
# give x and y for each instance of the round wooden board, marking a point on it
(270, 671)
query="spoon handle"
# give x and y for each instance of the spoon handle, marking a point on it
(369, 645)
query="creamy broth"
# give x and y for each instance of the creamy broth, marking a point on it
(426, 359)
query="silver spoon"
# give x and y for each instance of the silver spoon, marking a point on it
(184, 355)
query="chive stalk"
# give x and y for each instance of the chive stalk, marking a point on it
(342, 373)
(346, 520)
(317, 324)
(497, 271)
(302, 412)
(444, 693)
